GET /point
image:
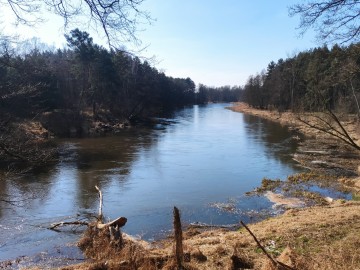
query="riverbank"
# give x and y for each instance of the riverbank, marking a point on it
(317, 237)
(317, 151)
(310, 238)
(292, 121)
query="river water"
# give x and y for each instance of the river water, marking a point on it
(202, 161)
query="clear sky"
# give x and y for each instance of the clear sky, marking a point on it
(211, 41)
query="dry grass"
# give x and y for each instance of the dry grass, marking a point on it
(311, 238)
(292, 120)
(314, 238)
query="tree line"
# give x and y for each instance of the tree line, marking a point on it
(315, 80)
(68, 89)
(206, 94)
(89, 78)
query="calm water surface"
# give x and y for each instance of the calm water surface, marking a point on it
(206, 155)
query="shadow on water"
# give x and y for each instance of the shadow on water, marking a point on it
(202, 156)
(64, 191)
(100, 161)
(277, 139)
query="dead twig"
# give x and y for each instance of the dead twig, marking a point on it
(55, 225)
(273, 261)
(258, 243)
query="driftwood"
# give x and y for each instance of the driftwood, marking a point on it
(114, 225)
(273, 261)
(119, 222)
(55, 225)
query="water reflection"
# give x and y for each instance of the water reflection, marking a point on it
(100, 161)
(207, 154)
(277, 139)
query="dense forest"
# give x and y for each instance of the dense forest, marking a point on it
(207, 94)
(314, 80)
(87, 78)
(83, 90)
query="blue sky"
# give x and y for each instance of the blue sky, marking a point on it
(211, 41)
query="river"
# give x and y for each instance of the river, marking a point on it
(202, 160)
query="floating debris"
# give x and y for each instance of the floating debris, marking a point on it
(280, 200)
(229, 207)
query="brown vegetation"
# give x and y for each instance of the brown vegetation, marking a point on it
(320, 237)
(292, 120)
(310, 238)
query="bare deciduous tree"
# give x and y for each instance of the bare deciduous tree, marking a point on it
(116, 19)
(333, 20)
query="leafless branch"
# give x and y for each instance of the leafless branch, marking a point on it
(333, 20)
(63, 223)
(330, 129)
(118, 20)
(259, 244)
(118, 222)
(273, 261)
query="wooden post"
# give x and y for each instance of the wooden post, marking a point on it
(179, 252)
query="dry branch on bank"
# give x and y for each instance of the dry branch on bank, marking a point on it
(113, 226)
(307, 239)
(328, 123)
(274, 262)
